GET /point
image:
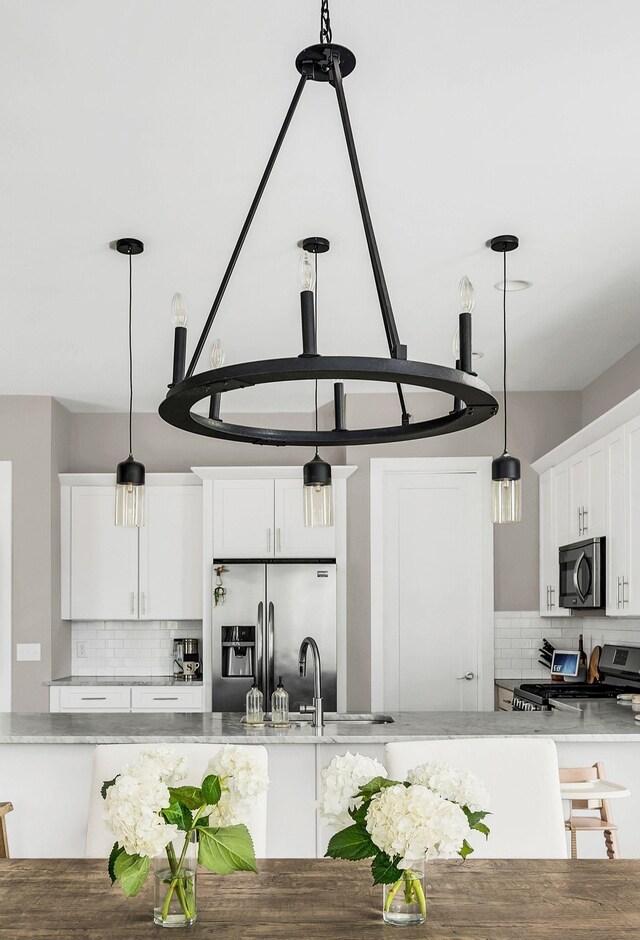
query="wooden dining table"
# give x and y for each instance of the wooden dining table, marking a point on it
(303, 899)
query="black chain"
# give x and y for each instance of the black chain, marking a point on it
(325, 23)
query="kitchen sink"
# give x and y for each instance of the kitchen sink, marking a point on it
(330, 718)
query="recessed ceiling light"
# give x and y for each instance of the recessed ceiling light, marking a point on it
(513, 285)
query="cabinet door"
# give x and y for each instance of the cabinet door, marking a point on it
(243, 519)
(631, 583)
(548, 550)
(561, 534)
(594, 518)
(104, 558)
(171, 554)
(293, 538)
(616, 520)
(578, 494)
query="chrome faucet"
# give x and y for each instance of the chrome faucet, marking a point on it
(318, 717)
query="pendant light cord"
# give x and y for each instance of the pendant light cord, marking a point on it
(315, 315)
(130, 359)
(504, 344)
(325, 23)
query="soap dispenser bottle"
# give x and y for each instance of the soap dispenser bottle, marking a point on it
(280, 706)
(254, 707)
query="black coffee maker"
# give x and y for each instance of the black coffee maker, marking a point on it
(186, 659)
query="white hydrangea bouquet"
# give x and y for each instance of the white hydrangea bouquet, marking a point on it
(147, 811)
(400, 824)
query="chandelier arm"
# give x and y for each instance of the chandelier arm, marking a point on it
(393, 339)
(245, 228)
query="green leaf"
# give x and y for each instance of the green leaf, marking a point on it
(131, 872)
(375, 785)
(115, 851)
(482, 828)
(178, 815)
(385, 870)
(351, 843)
(474, 818)
(211, 789)
(202, 822)
(105, 786)
(465, 850)
(190, 796)
(359, 813)
(226, 849)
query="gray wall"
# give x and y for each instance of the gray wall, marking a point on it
(25, 440)
(537, 422)
(617, 383)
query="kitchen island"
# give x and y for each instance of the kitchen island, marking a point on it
(45, 763)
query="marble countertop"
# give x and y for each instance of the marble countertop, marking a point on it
(597, 721)
(512, 684)
(122, 680)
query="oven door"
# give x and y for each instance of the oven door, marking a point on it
(581, 575)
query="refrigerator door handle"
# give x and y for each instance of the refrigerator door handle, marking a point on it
(269, 658)
(260, 674)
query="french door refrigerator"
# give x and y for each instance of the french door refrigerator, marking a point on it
(268, 610)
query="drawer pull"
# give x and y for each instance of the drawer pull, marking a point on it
(94, 698)
(165, 698)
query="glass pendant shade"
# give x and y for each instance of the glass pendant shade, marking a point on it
(466, 295)
(130, 476)
(306, 272)
(178, 310)
(318, 493)
(506, 489)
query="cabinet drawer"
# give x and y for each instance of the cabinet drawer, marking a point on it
(166, 699)
(504, 699)
(95, 698)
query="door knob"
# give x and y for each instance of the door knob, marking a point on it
(467, 675)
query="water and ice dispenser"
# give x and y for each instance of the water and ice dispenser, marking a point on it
(238, 650)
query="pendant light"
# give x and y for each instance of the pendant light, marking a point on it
(130, 472)
(505, 470)
(328, 64)
(316, 474)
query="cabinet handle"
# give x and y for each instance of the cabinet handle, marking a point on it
(625, 583)
(132, 602)
(268, 540)
(165, 698)
(618, 593)
(579, 520)
(552, 591)
(278, 540)
(144, 602)
(94, 698)
(585, 520)
(547, 597)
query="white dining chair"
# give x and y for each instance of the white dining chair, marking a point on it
(521, 775)
(109, 760)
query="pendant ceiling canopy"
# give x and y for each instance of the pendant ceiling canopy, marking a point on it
(472, 401)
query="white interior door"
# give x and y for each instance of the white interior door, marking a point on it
(433, 537)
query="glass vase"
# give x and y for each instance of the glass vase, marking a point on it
(174, 876)
(404, 903)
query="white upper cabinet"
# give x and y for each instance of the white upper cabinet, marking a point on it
(554, 532)
(171, 554)
(617, 530)
(115, 573)
(102, 564)
(293, 539)
(243, 518)
(263, 518)
(631, 584)
(587, 498)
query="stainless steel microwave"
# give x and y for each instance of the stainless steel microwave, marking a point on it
(582, 575)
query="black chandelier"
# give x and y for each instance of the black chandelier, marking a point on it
(473, 402)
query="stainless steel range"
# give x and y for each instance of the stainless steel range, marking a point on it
(620, 670)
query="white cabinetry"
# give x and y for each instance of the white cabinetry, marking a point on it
(126, 698)
(617, 544)
(263, 518)
(554, 532)
(587, 492)
(115, 573)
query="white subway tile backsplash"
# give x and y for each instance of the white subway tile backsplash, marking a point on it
(128, 648)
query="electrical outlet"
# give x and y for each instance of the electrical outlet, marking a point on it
(82, 650)
(27, 651)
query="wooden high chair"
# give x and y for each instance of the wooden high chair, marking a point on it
(600, 792)
(4, 842)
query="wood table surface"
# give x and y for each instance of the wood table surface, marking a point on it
(302, 899)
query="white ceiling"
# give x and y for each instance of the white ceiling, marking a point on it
(472, 119)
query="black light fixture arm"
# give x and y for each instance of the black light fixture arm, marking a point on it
(245, 228)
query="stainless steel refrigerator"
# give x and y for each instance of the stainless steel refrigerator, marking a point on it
(268, 610)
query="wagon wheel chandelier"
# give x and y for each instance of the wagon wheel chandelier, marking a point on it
(473, 402)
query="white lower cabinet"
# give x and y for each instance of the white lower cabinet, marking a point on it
(126, 698)
(554, 532)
